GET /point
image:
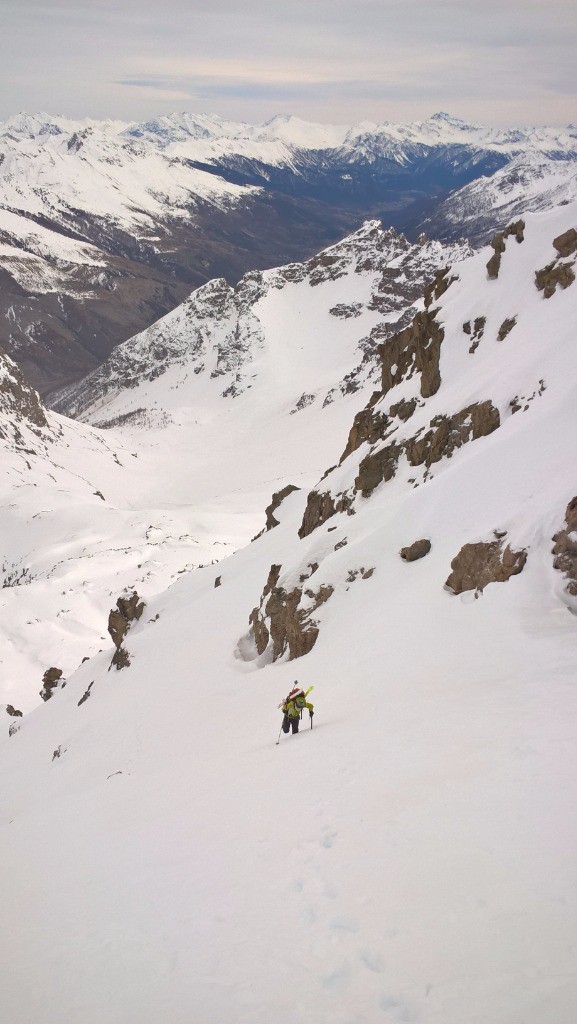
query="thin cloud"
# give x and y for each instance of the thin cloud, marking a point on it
(373, 59)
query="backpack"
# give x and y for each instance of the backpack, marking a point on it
(297, 697)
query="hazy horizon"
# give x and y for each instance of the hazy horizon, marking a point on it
(337, 62)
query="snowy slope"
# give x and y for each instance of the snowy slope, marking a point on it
(411, 858)
(73, 538)
(189, 402)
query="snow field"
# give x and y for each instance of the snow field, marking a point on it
(410, 858)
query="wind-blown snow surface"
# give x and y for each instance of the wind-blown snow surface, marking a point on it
(410, 859)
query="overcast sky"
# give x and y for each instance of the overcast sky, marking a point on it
(495, 61)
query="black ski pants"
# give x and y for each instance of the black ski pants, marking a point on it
(287, 723)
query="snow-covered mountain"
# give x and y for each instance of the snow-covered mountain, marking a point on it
(105, 226)
(527, 183)
(413, 856)
(305, 322)
(88, 513)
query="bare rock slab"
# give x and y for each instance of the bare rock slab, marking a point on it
(479, 564)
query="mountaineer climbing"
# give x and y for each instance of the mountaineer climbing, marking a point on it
(293, 706)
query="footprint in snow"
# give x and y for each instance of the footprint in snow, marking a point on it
(396, 1008)
(372, 960)
(338, 980)
(328, 839)
(344, 923)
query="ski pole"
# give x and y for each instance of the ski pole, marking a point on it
(279, 736)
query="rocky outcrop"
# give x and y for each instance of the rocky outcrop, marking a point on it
(498, 244)
(404, 409)
(479, 564)
(438, 286)
(417, 349)
(447, 434)
(121, 658)
(12, 711)
(378, 467)
(506, 328)
(566, 244)
(565, 548)
(475, 331)
(51, 680)
(127, 611)
(277, 500)
(284, 618)
(321, 507)
(555, 273)
(368, 425)
(418, 549)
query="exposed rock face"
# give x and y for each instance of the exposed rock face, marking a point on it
(498, 243)
(288, 624)
(565, 548)
(479, 564)
(404, 409)
(321, 507)
(368, 425)
(128, 610)
(277, 500)
(416, 349)
(121, 658)
(86, 694)
(566, 244)
(418, 549)
(50, 681)
(475, 332)
(378, 467)
(438, 286)
(10, 710)
(554, 274)
(447, 433)
(451, 432)
(506, 327)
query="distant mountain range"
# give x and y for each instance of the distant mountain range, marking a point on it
(106, 226)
